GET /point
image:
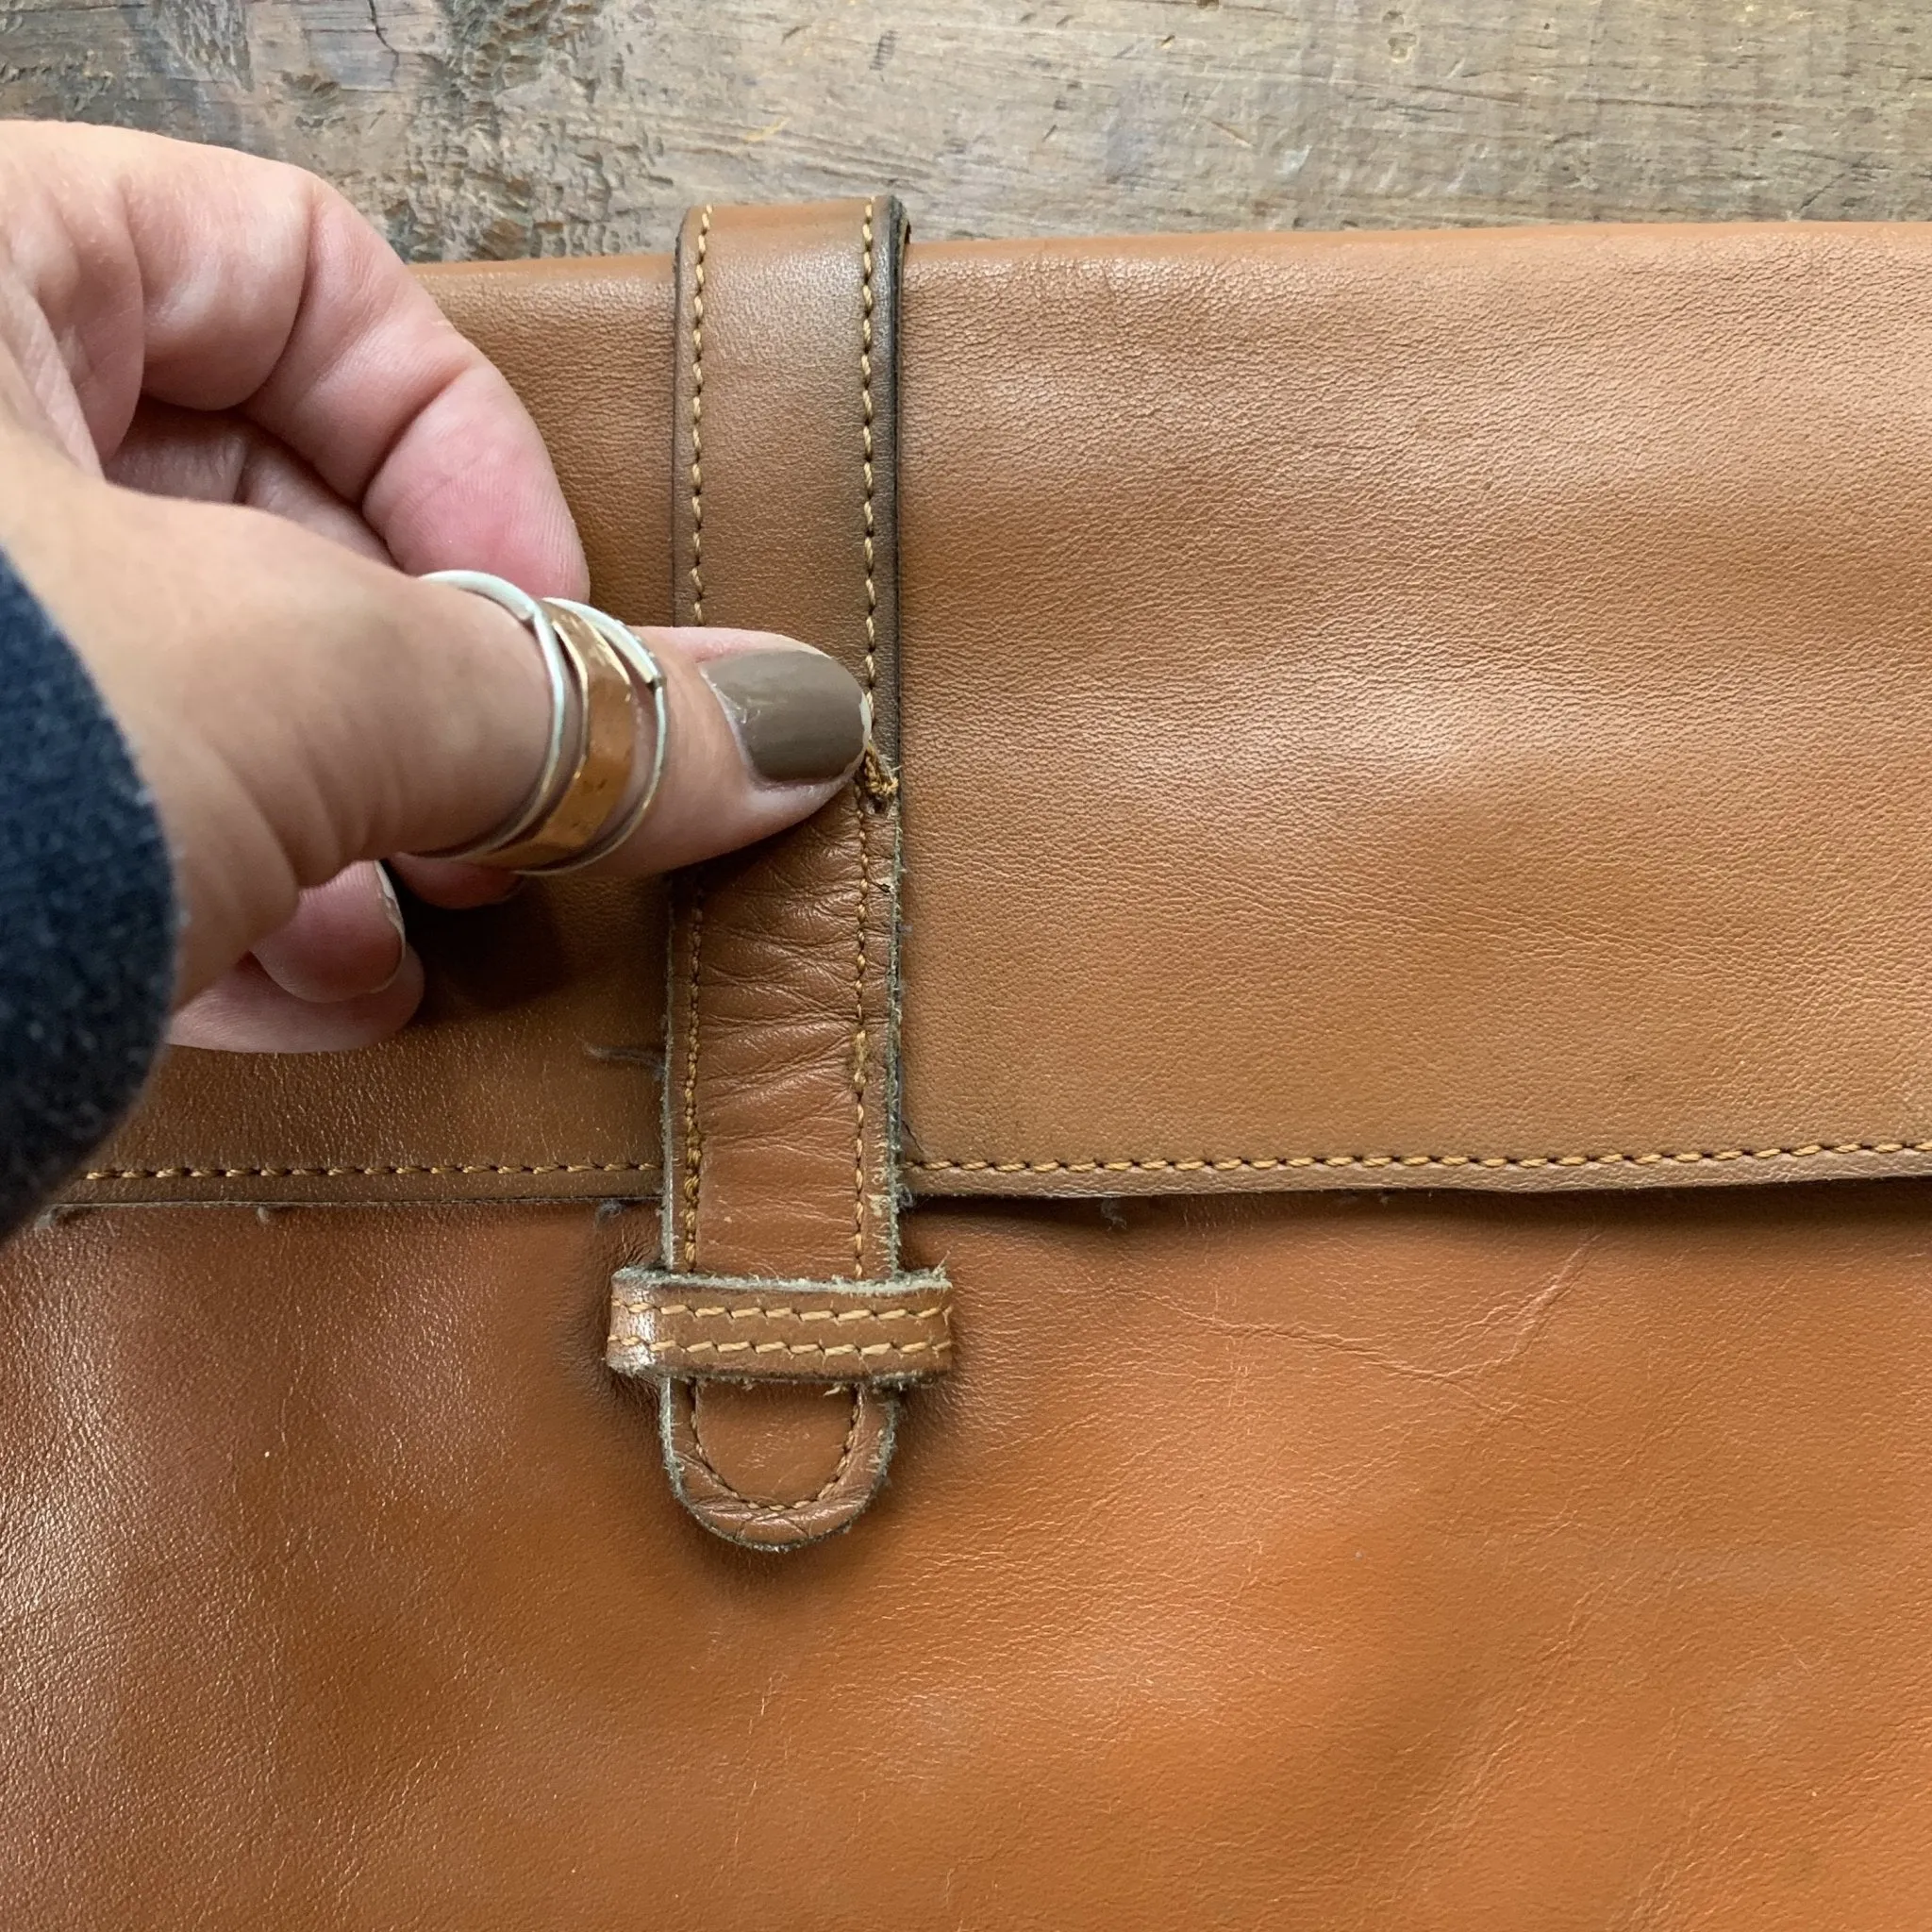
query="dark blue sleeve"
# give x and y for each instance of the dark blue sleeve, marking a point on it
(86, 912)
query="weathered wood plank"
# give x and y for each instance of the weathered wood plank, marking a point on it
(503, 127)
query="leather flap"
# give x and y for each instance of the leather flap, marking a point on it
(1376, 709)
(1419, 708)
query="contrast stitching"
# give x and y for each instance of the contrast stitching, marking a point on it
(865, 303)
(231, 1173)
(714, 1314)
(698, 419)
(876, 783)
(694, 1145)
(1492, 1162)
(872, 601)
(845, 1455)
(653, 1351)
(1489, 1162)
(859, 1053)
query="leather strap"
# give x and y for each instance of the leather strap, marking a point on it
(781, 1176)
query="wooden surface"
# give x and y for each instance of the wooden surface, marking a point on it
(505, 127)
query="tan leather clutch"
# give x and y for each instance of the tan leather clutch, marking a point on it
(1346, 1086)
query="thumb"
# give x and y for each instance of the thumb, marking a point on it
(760, 729)
(295, 708)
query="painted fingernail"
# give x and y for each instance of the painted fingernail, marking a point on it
(799, 716)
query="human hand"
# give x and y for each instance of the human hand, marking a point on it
(230, 423)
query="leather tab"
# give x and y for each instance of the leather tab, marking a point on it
(781, 1164)
(784, 1331)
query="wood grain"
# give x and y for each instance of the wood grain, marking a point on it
(511, 127)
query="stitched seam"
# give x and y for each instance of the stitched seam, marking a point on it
(653, 1351)
(866, 302)
(1203, 1165)
(859, 1048)
(737, 1495)
(724, 1315)
(1207, 1164)
(229, 1173)
(693, 1146)
(847, 1452)
(698, 419)
(871, 599)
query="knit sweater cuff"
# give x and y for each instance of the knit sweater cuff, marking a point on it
(87, 911)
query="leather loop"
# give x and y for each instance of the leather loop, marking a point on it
(781, 1170)
(687, 1327)
(724, 1509)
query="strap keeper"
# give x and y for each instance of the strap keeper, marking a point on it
(687, 1328)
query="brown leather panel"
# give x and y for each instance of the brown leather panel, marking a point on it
(1482, 1564)
(775, 1330)
(531, 1074)
(1417, 697)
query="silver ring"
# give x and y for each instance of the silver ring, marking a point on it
(645, 670)
(530, 613)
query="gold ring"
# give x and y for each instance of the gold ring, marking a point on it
(601, 780)
(586, 801)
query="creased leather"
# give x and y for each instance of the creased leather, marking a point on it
(806, 1514)
(1320, 1563)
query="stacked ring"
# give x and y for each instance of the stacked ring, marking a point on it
(647, 675)
(587, 800)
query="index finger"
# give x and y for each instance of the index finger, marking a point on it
(215, 281)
